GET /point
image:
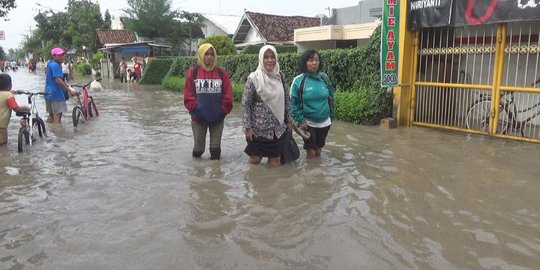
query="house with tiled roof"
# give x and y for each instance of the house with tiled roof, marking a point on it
(346, 27)
(107, 36)
(259, 28)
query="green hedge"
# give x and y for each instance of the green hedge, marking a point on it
(181, 65)
(176, 83)
(344, 66)
(254, 49)
(83, 68)
(155, 70)
(363, 105)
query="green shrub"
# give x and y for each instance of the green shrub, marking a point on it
(254, 49)
(365, 106)
(83, 68)
(96, 60)
(181, 65)
(156, 70)
(238, 91)
(174, 83)
(223, 44)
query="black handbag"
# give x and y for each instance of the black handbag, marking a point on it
(66, 94)
(290, 151)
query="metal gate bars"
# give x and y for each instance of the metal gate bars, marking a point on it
(479, 79)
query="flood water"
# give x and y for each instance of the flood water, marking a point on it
(123, 192)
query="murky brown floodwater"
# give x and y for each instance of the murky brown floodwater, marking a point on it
(123, 192)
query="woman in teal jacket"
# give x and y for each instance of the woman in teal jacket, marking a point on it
(312, 101)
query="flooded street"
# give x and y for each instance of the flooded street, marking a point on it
(123, 192)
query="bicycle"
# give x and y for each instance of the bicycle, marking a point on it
(32, 126)
(83, 111)
(479, 113)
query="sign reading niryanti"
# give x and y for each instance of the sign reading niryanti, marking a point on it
(389, 43)
(429, 13)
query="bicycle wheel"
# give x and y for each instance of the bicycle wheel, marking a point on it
(89, 106)
(23, 139)
(478, 117)
(77, 115)
(92, 108)
(38, 129)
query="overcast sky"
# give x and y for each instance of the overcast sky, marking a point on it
(21, 20)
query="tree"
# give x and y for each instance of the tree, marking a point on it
(193, 20)
(71, 29)
(5, 6)
(107, 20)
(223, 44)
(12, 54)
(2, 53)
(83, 20)
(151, 18)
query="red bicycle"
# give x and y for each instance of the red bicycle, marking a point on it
(86, 107)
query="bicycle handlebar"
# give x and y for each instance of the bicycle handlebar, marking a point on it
(23, 92)
(86, 85)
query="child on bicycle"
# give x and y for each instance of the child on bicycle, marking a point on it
(7, 103)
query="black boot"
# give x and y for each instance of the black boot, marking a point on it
(196, 154)
(215, 154)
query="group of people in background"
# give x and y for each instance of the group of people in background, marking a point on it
(270, 109)
(128, 75)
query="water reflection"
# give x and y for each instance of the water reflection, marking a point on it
(123, 192)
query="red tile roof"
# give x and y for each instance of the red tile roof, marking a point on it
(113, 36)
(276, 28)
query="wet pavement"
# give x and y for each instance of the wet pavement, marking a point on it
(123, 192)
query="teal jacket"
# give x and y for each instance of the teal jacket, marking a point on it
(315, 105)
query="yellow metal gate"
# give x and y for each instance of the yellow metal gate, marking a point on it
(479, 79)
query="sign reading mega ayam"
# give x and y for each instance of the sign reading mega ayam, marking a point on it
(389, 43)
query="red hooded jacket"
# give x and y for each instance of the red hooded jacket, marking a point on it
(208, 97)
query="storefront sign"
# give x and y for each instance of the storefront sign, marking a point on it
(389, 43)
(472, 12)
(436, 13)
(429, 13)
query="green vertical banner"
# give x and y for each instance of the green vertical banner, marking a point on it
(389, 43)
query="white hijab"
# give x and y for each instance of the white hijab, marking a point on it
(269, 85)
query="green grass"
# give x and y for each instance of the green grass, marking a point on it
(173, 83)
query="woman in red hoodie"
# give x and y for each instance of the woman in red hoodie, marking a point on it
(208, 98)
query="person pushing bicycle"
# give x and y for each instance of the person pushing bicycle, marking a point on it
(7, 103)
(56, 90)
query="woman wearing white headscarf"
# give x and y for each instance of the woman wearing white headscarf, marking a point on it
(266, 110)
